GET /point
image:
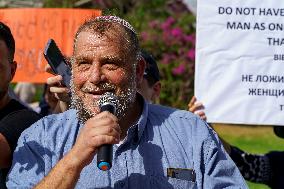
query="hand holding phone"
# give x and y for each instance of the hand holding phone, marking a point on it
(57, 62)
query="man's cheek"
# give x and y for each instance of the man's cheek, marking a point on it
(79, 80)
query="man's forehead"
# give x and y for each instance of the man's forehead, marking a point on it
(88, 36)
(93, 42)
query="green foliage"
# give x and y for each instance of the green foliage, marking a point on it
(170, 37)
(257, 186)
(59, 3)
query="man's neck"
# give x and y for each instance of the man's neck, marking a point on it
(131, 117)
(4, 100)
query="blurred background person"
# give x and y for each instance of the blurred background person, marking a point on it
(48, 103)
(14, 116)
(25, 92)
(151, 85)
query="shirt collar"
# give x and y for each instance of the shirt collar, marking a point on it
(141, 124)
(135, 132)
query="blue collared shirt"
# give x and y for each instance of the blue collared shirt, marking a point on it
(163, 138)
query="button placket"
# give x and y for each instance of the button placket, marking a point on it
(120, 173)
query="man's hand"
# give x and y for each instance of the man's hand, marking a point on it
(60, 92)
(55, 82)
(103, 128)
(196, 108)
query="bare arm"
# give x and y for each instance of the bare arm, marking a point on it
(103, 128)
(64, 175)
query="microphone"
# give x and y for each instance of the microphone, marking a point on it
(104, 156)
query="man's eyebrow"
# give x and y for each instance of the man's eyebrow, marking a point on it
(81, 57)
(112, 58)
(105, 58)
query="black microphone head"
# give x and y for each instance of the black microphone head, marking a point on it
(108, 102)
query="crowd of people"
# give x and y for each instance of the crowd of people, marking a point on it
(153, 146)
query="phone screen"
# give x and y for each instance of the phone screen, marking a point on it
(57, 62)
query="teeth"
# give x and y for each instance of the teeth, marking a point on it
(101, 88)
(88, 89)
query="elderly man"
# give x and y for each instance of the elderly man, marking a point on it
(154, 146)
(14, 117)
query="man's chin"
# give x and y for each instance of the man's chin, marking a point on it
(85, 114)
(94, 111)
(84, 111)
(91, 105)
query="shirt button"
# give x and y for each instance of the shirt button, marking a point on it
(121, 184)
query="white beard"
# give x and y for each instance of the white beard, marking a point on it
(124, 101)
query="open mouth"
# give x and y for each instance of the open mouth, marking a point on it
(99, 93)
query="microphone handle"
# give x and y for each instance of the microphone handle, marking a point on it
(104, 155)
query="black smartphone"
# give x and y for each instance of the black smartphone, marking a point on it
(57, 61)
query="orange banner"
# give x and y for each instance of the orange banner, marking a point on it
(33, 27)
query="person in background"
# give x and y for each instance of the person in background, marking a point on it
(154, 146)
(25, 92)
(259, 168)
(48, 103)
(12, 94)
(150, 87)
(14, 117)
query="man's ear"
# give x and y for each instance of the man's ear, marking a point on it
(140, 69)
(13, 69)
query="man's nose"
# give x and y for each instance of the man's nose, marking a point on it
(96, 75)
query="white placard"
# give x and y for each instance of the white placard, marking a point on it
(239, 73)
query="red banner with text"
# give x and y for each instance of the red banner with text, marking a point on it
(32, 27)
